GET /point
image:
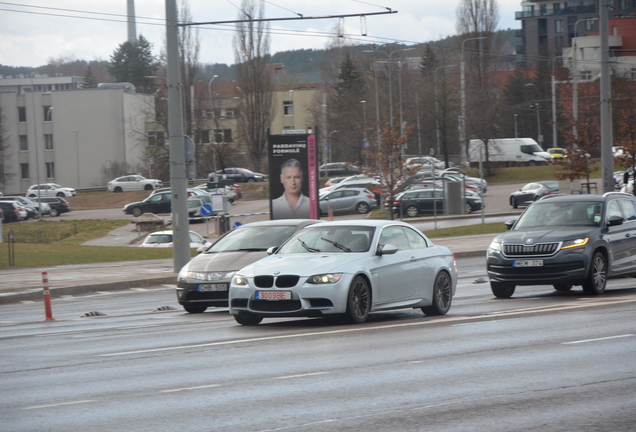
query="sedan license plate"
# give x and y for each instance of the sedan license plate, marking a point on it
(212, 287)
(273, 295)
(527, 263)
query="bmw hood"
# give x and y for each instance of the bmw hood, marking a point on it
(302, 264)
(544, 235)
(224, 261)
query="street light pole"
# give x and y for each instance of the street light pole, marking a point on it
(77, 156)
(35, 143)
(332, 132)
(462, 123)
(539, 137)
(516, 125)
(554, 115)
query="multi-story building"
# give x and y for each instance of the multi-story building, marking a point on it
(548, 26)
(60, 133)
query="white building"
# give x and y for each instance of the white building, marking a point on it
(69, 135)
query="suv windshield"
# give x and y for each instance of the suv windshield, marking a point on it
(555, 213)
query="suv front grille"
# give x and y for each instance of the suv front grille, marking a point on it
(540, 249)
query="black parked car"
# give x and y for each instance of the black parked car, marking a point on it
(338, 169)
(566, 240)
(533, 191)
(58, 205)
(156, 203)
(10, 210)
(418, 201)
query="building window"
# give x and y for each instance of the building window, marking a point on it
(558, 26)
(288, 108)
(156, 138)
(50, 170)
(543, 8)
(586, 75)
(222, 136)
(558, 43)
(24, 171)
(633, 74)
(22, 114)
(48, 141)
(24, 143)
(48, 113)
(556, 8)
(202, 137)
(623, 4)
(589, 25)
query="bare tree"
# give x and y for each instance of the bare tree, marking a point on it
(189, 46)
(251, 52)
(477, 16)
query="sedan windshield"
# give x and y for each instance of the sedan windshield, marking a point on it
(259, 238)
(544, 214)
(341, 239)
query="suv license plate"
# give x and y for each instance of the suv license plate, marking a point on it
(527, 263)
(213, 287)
(273, 295)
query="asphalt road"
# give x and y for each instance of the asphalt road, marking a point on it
(543, 360)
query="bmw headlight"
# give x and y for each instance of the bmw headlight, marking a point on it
(324, 278)
(575, 243)
(495, 246)
(239, 280)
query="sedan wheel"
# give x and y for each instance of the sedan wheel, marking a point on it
(502, 290)
(411, 211)
(246, 318)
(137, 211)
(60, 195)
(468, 209)
(250, 180)
(596, 280)
(118, 189)
(359, 300)
(513, 202)
(194, 308)
(442, 296)
(148, 187)
(362, 208)
(54, 212)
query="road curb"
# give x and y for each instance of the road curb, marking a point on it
(35, 294)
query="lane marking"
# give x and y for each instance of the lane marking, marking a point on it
(59, 404)
(443, 320)
(598, 339)
(302, 375)
(190, 388)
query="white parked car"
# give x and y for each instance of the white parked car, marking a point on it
(133, 183)
(50, 190)
(163, 239)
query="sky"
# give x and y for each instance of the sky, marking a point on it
(32, 32)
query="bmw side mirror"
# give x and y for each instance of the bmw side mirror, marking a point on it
(509, 224)
(272, 250)
(615, 220)
(387, 249)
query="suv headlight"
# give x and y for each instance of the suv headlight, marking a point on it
(324, 278)
(495, 246)
(574, 243)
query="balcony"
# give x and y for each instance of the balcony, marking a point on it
(565, 11)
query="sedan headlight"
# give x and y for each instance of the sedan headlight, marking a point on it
(324, 278)
(575, 243)
(239, 280)
(206, 276)
(495, 246)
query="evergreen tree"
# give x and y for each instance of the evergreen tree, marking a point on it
(89, 78)
(133, 62)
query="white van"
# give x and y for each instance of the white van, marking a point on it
(508, 152)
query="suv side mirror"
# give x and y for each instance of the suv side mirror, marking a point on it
(509, 224)
(615, 220)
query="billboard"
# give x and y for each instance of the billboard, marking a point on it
(293, 178)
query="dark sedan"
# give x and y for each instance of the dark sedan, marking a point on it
(414, 202)
(533, 192)
(58, 205)
(204, 282)
(338, 169)
(239, 175)
(157, 203)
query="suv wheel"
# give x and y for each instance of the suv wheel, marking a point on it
(60, 194)
(562, 286)
(597, 278)
(54, 212)
(502, 290)
(411, 211)
(148, 187)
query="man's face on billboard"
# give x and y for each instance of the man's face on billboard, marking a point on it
(292, 180)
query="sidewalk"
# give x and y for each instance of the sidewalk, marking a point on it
(26, 284)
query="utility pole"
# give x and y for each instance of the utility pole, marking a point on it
(607, 160)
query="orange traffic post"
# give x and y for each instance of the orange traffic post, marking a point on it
(47, 297)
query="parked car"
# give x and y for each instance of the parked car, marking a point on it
(205, 280)
(239, 175)
(12, 211)
(557, 154)
(190, 191)
(347, 200)
(532, 192)
(194, 208)
(50, 190)
(566, 240)
(437, 185)
(424, 162)
(133, 183)
(227, 191)
(26, 202)
(58, 205)
(155, 203)
(346, 268)
(338, 169)
(414, 202)
(163, 239)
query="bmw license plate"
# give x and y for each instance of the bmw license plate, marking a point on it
(212, 287)
(527, 263)
(273, 295)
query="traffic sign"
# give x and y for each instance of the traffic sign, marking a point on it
(206, 209)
